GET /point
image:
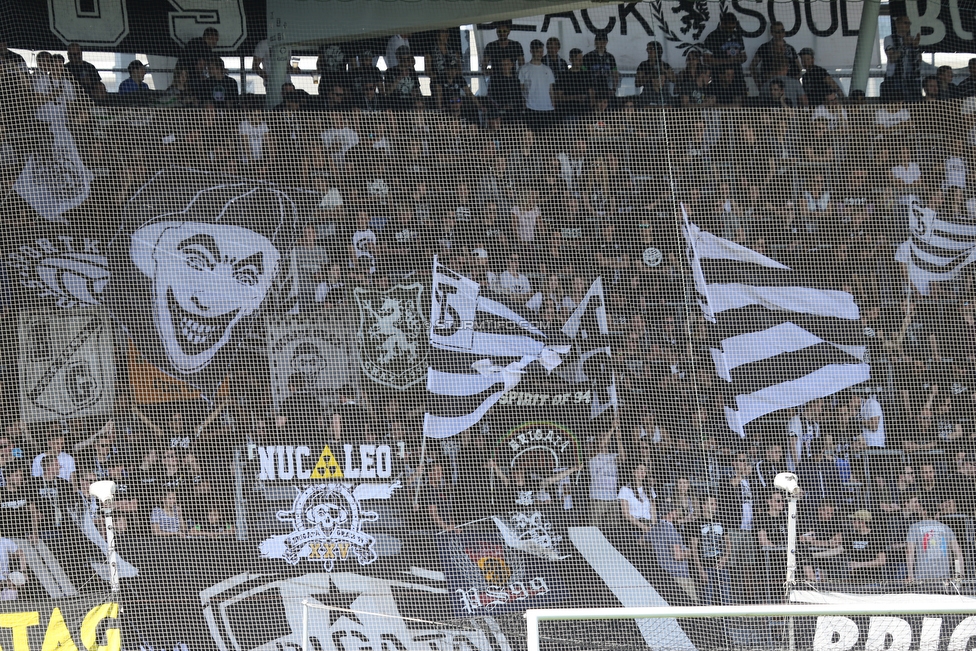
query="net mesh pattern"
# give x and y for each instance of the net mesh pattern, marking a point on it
(424, 359)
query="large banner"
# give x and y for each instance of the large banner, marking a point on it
(66, 364)
(193, 262)
(316, 359)
(161, 27)
(829, 27)
(946, 26)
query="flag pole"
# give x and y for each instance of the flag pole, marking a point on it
(420, 470)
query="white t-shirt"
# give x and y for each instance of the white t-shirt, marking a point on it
(603, 476)
(907, 174)
(255, 137)
(67, 466)
(513, 283)
(536, 80)
(872, 409)
(526, 223)
(7, 547)
(639, 504)
(955, 176)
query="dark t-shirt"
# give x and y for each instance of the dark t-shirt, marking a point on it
(725, 45)
(195, 50)
(505, 91)
(695, 93)
(712, 536)
(775, 527)
(222, 93)
(439, 496)
(495, 52)
(865, 547)
(601, 66)
(726, 95)
(814, 82)
(575, 87)
(765, 53)
(51, 497)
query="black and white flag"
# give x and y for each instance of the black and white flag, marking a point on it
(780, 344)
(66, 364)
(589, 364)
(480, 349)
(939, 246)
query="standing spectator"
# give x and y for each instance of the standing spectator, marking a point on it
(871, 420)
(672, 553)
(903, 73)
(84, 73)
(602, 65)
(538, 82)
(439, 61)
(505, 92)
(776, 47)
(654, 76)
(931, 548)
(802, 430)
(603, 474)
(219, 90)
(865, 549)
(713, 552)
(260, 58)
(503, 49)
(199, 51)
(741, 522)
(438, 500)
(574, 90)
(135, 83)
(331, 65)
(393, 55)
(17, 512)
(724, 47)
(771, 464)
(552, 59)
(967, 87)
(51, 495)
(817, 82)
(638, 501)
(55, 449)
(403, 84)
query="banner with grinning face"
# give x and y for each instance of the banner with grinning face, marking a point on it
(193, 262)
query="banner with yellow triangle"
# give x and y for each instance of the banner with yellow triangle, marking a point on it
(327, 466)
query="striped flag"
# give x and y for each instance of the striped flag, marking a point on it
(780, 343)
(481, 349)
(938, 248)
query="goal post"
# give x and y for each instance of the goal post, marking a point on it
(839, 633)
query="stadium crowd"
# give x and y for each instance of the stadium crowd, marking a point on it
(533, 190)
